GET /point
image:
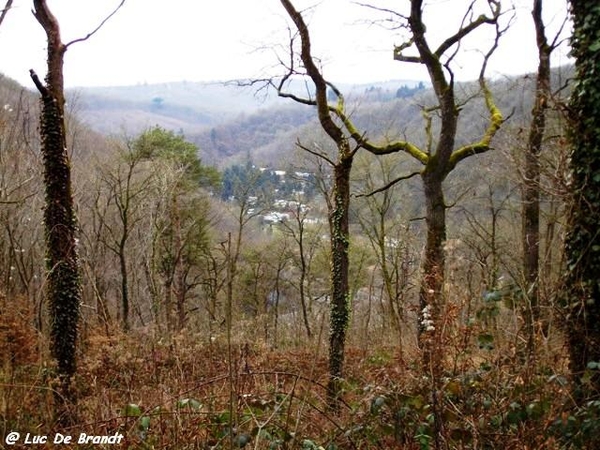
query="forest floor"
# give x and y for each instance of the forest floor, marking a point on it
(185, 393)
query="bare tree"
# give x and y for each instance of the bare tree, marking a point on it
(387, 234)
(441, 156)
(437, 160)
(338, 202)
(297, 230)
(125, 185)
(532, 173)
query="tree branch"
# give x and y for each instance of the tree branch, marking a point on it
(315, 153)
(398, 56)
(496, 119)
(38, 83)
(5, 10)
(326, 111)
(390, 184)
(472, 26)
(90, 34)
(392, 147)
(313, 72)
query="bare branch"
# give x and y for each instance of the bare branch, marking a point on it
(314, 73)
(90, 34)
(38, 83)
(17, 202)
(457, 199)
(390, 23)
(496, 119)
(473, 25)
(557, 41)
(296, 98)
(390, 184)
(380, 9)
(5, 10)
(399, 56)
(320, 155)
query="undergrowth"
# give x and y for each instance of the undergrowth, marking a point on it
(176, 393)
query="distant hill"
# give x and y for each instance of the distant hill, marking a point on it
(183, 105)
(225, 119)
(193, 104)
(230, 123)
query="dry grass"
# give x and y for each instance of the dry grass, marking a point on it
(177, 392)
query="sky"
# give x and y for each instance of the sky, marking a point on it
(155, 41)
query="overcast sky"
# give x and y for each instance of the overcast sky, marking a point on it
(151, 41)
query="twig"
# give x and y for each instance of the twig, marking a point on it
(390, 184)
(91, 33)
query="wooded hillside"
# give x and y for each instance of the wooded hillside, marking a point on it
(292, 263)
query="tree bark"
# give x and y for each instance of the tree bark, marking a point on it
(581, 294)
(340, 264)
(3, 13)
(63, 287)
(432, 276)
(531, 182)
(338, 205)
(124, 282)
(303, 272)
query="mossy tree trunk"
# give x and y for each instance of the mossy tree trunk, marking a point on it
(340, 267)
(581, 296)
(440, 157)
(63, 286)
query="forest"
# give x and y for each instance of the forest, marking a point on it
(410, 265)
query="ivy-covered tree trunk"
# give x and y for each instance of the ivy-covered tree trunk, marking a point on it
(581, 295)
(63, 285)
(340, 265)
(338, 204)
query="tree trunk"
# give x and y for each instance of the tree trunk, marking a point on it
(124, 287)
(531, 183)
(168, 286)
(432, 277)
(63, 286)
(581, 296)
(431, 298)
(303, 271)
(340, 240)
(179, 270)
(391, 286)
